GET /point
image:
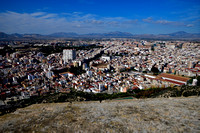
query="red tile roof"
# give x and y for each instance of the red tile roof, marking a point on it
(174, 82)
(175, 77)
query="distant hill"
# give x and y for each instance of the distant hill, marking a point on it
(175, 35)
(145, 36)
(33, 36)
(179, 33)
(4, 35)
(16, 36)
(182, 34)
(116, 34)
(64, 34)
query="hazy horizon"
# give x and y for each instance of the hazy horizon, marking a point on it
(99, 33)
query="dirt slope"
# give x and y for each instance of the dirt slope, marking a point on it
(144, 115)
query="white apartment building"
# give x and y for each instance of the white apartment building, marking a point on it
(69, 54)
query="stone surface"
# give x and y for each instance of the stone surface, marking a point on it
(143, 115)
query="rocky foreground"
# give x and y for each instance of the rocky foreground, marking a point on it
(143, 115)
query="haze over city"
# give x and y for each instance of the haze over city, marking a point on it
(92, 16)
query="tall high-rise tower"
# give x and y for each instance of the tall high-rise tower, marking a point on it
(69, 54)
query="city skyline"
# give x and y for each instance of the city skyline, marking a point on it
(90, 16)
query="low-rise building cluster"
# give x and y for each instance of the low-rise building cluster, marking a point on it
(117, 67)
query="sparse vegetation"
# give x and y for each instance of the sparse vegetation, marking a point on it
(83, 96)
(169, 92)
(143, 115)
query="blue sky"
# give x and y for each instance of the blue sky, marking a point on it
(99, 16)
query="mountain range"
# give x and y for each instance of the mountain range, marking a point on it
(116, 34)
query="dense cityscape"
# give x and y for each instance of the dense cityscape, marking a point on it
(103, 66)
(99, 66)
